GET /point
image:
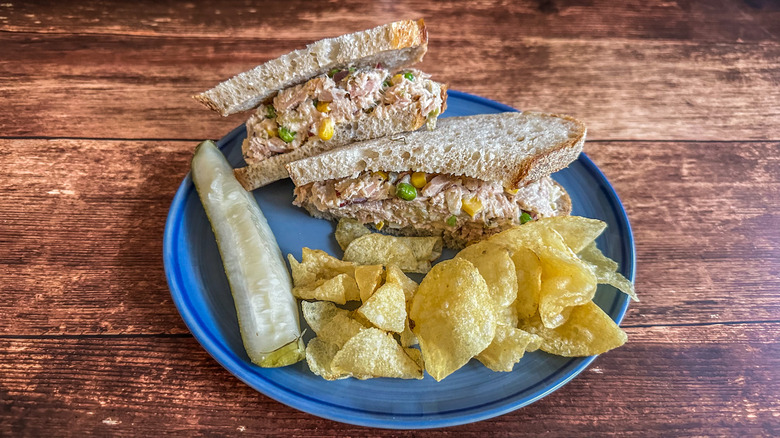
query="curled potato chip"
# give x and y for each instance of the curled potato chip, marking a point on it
(340, 329)
(337, 289)
(577, 231)
(410, 254)
(396, 276)
(528, 269)
(318, 313)
(566, 283)
(386, 309)
(374, 353)
(368, 278)
(498, 270)
(586, 332)
(348, 230)
(317, 265)
(407, 338)
(453, 315)
(605, 270)
(416, 356)
(319, 356)
(507, 348)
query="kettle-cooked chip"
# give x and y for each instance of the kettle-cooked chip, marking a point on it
(577, 231)
(317, 265)
(319, 356)
(318, 313)
(386, 308)
(368, 278)
(605, 270)
(566, 282)
(507, 348)
(395, 275)
(348, 230)
(340, 329)
(411, 254)
(374, 353)
(586, 332)
(339, 289)
(528, 269)
(496, 267)
(454, 316)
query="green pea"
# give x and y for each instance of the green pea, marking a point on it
(525, 218)
(409, 75)
(452, 220)
(270, 111)
(386, 84)
(405, 191)
(333, 71)
(286, 135)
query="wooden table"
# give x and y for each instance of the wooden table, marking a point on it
(682, 100)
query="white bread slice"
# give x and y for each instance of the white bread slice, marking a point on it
(394, 45)
(364, 127)
(512, 148)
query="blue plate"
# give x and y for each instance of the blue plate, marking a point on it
(473, 393)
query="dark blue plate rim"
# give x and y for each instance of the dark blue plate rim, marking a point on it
(254, 378)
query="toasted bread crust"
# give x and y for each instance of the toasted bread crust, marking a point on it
(394, 45)
(512, 148)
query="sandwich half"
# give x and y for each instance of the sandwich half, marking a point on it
(469, 178)
(333, 92)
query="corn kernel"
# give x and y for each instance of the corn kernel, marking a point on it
(395, 80)
(325, 131)
(419, 179)
(272, 132)
(511, 191)
(381, 174)
(379, 225)
(323, 107)
(472, 206)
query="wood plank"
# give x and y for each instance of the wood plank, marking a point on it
(667, 381)
(140, 87)
(690, 20)
(83, 223)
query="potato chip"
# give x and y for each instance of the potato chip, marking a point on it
(498, 270)
(374, 353)
(336, 289)
(340, 329)
(396, 276)
(528, 269)
(605, 269)
(566, 282)
(453, 315)
(317, 265)
(577, 232)
(368, 278)
(318, 313)
(507, 348)
(348, 230)
(408, 253)
(416, 356)
(319, 356)
(386, 309)
(407, 338)
(586, 332)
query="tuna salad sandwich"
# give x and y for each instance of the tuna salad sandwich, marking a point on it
(469, 178)
(333, 92)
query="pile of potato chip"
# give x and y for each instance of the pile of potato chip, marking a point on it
(530, 287)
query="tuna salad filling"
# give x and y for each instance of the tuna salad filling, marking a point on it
(432, 203)
(312, 110)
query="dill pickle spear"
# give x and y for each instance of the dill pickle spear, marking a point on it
(255, 268)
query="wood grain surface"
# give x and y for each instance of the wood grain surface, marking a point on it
(682, 101)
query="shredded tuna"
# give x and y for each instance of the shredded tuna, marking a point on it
(348, 94)
(370, 198)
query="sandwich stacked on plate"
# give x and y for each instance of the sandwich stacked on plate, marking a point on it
(341, 118)
(470, 177)
(333, 92)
